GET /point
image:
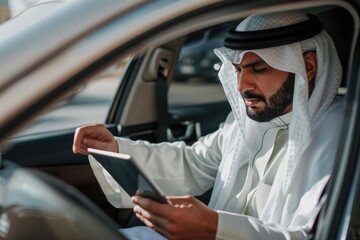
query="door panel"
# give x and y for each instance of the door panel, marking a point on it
(53, 154)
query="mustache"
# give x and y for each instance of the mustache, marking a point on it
(248, 94)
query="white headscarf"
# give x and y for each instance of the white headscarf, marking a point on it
(305, 113)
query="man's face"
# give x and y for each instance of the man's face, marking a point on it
(267, 92)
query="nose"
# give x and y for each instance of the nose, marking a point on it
(245, 81)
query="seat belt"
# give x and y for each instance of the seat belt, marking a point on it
(161, 107)
(159, 70)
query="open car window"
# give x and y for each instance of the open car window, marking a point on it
(89, 102)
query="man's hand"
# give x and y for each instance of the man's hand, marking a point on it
(187, 218)
(94, 136)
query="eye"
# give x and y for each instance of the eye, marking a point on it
(260, 68)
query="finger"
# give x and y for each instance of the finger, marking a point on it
(145, 221)
(98, 144)
(156, 227)
(143, 215)
(82, 138)
(91, 143)
(83, 149)
(160, 209)
(153, 221)
(78, 137)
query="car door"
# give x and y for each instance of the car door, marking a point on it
(135, 87)
(340, 216)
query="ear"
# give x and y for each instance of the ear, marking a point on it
(310, 61)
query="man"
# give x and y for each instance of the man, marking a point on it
(271, 159)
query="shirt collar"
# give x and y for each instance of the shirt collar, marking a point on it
(283, 120)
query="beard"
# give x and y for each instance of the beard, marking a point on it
(277, 103)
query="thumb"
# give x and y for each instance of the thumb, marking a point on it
(102, 145)
(93, 143)
(90, 143)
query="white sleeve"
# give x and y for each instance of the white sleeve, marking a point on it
(238, 226)
(177, 169)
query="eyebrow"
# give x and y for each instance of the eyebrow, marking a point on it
(251, 64)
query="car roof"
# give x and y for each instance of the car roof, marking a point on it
(26, 32)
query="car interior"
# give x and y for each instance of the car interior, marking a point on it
(146, 107)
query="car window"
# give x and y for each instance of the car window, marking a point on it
(89, 102)
(197, 68)
(195, 81)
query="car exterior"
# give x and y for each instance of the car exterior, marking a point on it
(197, 61)
(54, 47)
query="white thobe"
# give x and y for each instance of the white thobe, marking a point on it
(179, 170)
